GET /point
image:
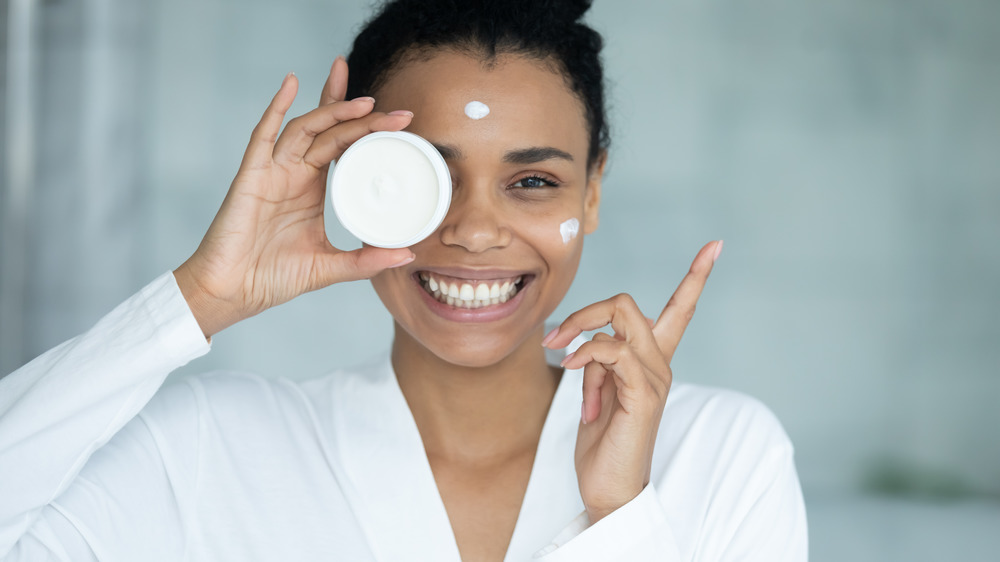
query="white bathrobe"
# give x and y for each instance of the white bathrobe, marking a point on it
(235, 467)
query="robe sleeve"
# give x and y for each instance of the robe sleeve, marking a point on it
(60, 408)
(637, 531)
(764, 519)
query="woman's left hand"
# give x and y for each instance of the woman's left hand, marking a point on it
(626, 379)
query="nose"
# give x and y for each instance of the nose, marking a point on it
(475, 221)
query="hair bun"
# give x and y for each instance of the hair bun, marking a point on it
(560, 12)
(432, 12)
(575, 9)
(563, 11)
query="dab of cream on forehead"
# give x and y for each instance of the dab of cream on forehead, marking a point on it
(569, 229)
(477, 110)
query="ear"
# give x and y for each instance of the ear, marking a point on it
(592, 197)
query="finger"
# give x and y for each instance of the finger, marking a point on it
(630, 374)
(300, 132)
(335, 88)
(330, 144)
(674, 319)
(363, 263)
(614, 355)
(620, 311)
(262, 139)
(594, 377)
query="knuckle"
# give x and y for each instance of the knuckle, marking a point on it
(342, 143)
(623, 300)
(593, 378)
(570, 320)
(621, 348)
(587, 349)
(262, 132)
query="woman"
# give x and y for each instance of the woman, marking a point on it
(468, 442)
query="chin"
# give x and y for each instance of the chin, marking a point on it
(477, 347)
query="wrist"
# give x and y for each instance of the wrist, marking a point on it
(212, 314)
(598, 511)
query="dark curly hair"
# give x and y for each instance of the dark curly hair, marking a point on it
(547, 30)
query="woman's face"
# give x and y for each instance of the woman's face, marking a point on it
(518, 176)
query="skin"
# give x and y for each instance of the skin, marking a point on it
(479, 390)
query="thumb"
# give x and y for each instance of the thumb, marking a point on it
(362, 263)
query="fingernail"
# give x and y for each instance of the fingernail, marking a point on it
(404, 261)
(550, 336)
(401, 112)
(566, 359)
(718, 250)
(340, 57)
(368, 99)
(583, 412)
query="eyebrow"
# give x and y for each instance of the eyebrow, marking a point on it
(521, 156)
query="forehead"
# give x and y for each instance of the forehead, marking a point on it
(529, 100)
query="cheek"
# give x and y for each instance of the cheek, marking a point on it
(556, 237)
(569, 229)
(390, 285)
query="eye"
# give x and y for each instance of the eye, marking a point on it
(535, 182)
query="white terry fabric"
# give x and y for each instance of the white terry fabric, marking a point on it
(232, 466)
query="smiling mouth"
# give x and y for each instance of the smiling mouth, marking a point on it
(467, 293)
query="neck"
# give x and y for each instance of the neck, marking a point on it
(477, 415)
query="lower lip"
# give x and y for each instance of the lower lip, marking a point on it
(489, 313)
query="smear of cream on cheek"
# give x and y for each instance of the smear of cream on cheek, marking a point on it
(477, 110)
(569, 229)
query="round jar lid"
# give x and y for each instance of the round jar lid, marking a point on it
(390, 189)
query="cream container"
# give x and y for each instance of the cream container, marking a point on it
(390, 189)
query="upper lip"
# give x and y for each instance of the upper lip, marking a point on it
(474, 274)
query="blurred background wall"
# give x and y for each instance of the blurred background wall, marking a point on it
(848, 152)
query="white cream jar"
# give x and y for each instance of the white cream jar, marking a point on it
(390, 189)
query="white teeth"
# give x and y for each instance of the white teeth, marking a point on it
(483, 292)
(467, 295)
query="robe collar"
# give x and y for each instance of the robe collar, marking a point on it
(388, 481)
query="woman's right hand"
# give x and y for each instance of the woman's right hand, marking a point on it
(268, 244)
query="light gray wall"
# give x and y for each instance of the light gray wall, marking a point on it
(75, 180)
(846, 152)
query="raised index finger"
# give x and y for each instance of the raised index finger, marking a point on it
(670, 326)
